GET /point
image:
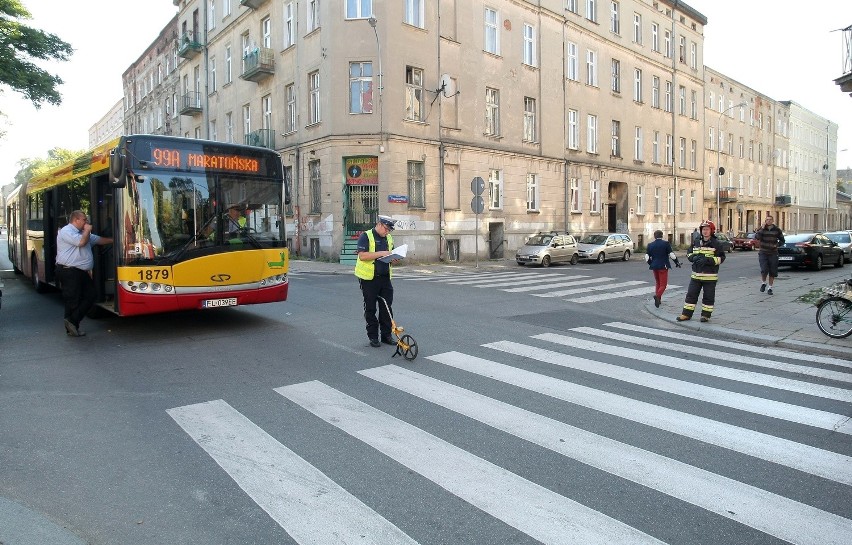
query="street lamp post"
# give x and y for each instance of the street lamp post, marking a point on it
(719, 171)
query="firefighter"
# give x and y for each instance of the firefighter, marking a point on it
(706, 255)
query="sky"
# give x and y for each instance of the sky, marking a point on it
(776, 47)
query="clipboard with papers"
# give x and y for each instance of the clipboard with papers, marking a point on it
(398, 253)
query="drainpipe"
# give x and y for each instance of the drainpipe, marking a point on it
(565, 131)
(441, 151)
(674, 135)
(297, 220)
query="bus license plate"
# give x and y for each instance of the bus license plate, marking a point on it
(213, 303)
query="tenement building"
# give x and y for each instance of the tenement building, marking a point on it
(577, 115)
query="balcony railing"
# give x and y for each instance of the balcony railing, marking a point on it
(727, 194)
(188, 46)
(783, 200)
(264, 138)
(253, 4)
(258, 64)
(190, 103)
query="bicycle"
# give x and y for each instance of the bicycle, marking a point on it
(834, 310)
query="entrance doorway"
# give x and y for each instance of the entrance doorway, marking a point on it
(495, 240)
(362, 207)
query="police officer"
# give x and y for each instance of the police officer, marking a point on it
(705, 256)
(374, 277)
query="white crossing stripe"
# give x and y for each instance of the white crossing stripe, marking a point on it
(578, 280)
(769, 364)
(816, 461)
(615, 295)
(767, 407)
(561, 293)
(770, 513)
(527, 506)
(547, 279)
(738, 345)
(487, 281)
(312, 508)
(739, 375)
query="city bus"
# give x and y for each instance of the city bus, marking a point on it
(168, 203)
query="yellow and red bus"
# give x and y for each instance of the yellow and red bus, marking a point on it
(165, 202)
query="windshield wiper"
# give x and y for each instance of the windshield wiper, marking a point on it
(173, 257)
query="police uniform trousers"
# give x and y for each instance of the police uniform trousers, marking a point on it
(379, 286)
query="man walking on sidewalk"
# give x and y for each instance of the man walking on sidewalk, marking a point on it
(770, 237)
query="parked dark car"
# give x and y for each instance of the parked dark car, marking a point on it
(727, 244)
(809, 250)
(745, 241)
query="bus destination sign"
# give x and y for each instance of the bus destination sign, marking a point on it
(188, 159)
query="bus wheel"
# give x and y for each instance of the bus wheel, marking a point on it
(39, 286)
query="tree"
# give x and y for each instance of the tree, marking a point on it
(34, 167)
(20, 45)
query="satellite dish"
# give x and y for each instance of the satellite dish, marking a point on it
(448, 85)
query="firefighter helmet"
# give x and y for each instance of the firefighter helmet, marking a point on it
(710, 224)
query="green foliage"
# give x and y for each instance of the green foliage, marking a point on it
(20, 45)
(34, 167)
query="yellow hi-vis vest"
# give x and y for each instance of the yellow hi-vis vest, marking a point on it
(366, 270)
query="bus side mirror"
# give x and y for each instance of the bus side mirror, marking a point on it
(117, 169)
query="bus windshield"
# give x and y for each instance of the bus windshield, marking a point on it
(170, 217)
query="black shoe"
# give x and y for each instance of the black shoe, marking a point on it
(769, 292)
(72, 330)
(388, 340)
(705, 319)
(375, 343)
(763, 288)
(656, 301)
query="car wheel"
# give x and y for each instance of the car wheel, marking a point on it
(818, 263)
(545, 261)
(520, 264)
(839, 263)
(575, 259)
(601, 257)
(626, 256)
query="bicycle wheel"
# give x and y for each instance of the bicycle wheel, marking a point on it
(834, 317)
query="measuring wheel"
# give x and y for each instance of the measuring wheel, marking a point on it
(406, 346)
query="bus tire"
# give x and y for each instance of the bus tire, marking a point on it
(38, 285)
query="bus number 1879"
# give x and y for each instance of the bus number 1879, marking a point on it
(153, 274)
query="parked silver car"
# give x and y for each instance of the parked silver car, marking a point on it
(546, 248)
(603, 246)
(844, 240)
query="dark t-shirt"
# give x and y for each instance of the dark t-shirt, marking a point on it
(382, 268)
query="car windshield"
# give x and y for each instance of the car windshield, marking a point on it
(540, 240)
(839, 237)
(793, 239)
(594, 239)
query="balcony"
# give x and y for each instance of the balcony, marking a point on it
(189, 47)
(263, 138)
(258, 64)
(190, 104)
(252, 4)
(783, 200)
(727, 194)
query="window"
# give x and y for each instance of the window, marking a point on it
(212, 75)
(615, 146)
(529, 120)
(657, 201)
(667, 44)
(682, 203)
(211, 14)
(359, 9)
(592, 135)
(492, 32)
(592, 10)
(692, 201)
(670, 201)
(229, 127)
(247, 48)
(682, 162)
(314, 97)
(638, 144)
(289, 25)
(595, 196)
(416, 185)
(290, 122)
(655, 37)
(669, 97)
(742, 147)
(573, 69)
(655, 92)
(492, 112)
(572, 6)
(682, 99)
(710, 171)
(529, 45)
(226, 8)
(413, 14)
(669, 150)
(682, 49)
(592, 68)
(246, 119)
(228, 65)
(413, 94)
(313, 15)
(693, 155)
(640, 199)
(360, 87)
(614, 22)
(637, 85)
(495, 189)
(576, 203)
(694, 104)
(316, 187)
(266, 109)
(693, 56)
(266, 32)
(616, 76)
(710, 133)
(532, 193)
(573, 129)
(637, 28)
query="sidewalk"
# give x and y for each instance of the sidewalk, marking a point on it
(741, 312)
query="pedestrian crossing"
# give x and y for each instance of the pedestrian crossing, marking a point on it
(650, 411)
(575, 288)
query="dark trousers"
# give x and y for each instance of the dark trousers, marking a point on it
(379, 286)
(78, 292)
(695, 287)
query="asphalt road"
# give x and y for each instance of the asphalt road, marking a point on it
(279, 424)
